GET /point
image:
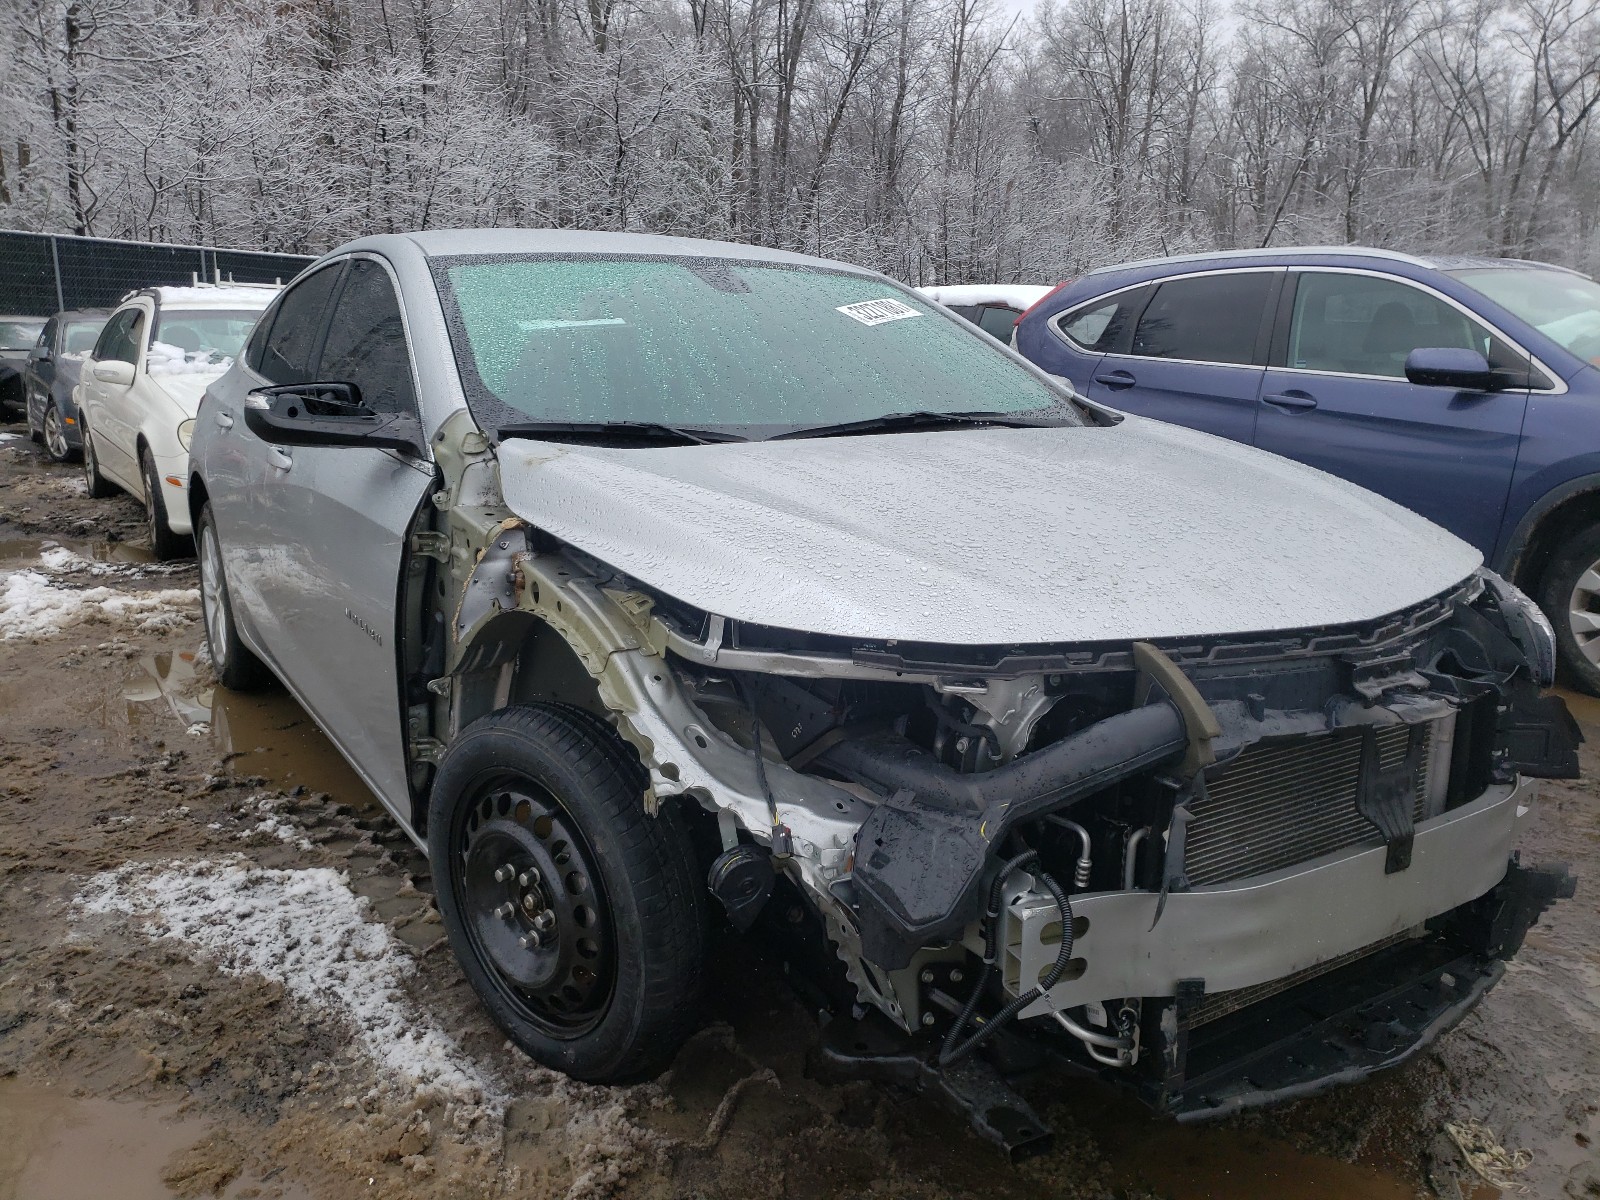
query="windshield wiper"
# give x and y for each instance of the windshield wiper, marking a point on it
(893, 422)
(599, 431)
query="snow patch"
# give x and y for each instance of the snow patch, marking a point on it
(214, 296)
(10, 437)
(308, 931)
(162, 359)
(34, 606)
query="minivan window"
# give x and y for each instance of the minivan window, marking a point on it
(366, 342)
(1365, 325)
(1205, 318)
(287, 350)
(715, 343)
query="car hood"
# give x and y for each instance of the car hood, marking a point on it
(990, 536)
(186, 387)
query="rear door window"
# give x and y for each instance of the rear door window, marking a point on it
(1206, 318)
(996, 320)
(366, 342)
(289, 349)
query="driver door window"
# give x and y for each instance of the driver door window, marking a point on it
(366, 342)
(1362, 325)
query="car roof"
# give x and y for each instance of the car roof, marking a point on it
(209, 295)
(70, 314)
(442, 243)
(1282, 255)
(23, 317)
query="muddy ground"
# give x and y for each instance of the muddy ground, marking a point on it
(221, 974)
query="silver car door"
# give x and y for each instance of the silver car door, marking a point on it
(349, 511)
(241, 476)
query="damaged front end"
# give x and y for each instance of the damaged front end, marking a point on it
(1222, 872)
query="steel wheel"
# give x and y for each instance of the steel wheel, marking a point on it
(55, 434)
(533, 906)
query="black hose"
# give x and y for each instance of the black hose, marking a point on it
(949, 1051)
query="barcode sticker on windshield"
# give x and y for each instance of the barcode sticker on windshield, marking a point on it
(877, 312)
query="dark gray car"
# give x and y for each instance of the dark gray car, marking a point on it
(17, 337)
(53, 366)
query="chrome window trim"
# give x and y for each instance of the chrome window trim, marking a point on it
(1558, 389)
(1055, 321)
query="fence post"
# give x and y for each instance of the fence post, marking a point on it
(55, 262)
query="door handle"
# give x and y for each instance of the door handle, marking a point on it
(224, 420)
(1116, 379)
(1291, 401)
(279, 458)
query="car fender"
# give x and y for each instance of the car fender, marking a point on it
(1514, 545)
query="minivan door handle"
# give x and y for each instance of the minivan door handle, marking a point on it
(279, 458)
(1116, 379)
(1292, 401)
(224, 420)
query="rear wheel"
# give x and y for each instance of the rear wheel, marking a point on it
(1569, 594)
(55, 434)
(98, 485)
(236, 668)
(164, 544)
(575, 915)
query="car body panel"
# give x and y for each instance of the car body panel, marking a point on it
(874, 537)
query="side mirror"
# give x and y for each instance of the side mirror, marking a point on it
(1442, 366)
(114, 370)
(327, 414)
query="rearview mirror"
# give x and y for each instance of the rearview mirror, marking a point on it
(114, 370)
(327, 414)
(1444, 366)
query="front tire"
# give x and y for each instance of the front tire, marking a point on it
(1569, 594)
(576, 916)
(54, 434)
(99, 487)
(164, 544)
(236, 668)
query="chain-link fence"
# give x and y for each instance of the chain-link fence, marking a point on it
(43, 273)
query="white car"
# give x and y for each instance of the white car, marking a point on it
(140, 389)
(992, 307)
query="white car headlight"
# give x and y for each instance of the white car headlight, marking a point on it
(1528, 626)
(185, 432)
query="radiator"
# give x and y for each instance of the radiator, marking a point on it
(1283, 803)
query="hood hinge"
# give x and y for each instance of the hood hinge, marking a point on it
(431, 545)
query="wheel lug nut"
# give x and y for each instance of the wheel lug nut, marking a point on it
(501, 874)
(528, 878)
(505, 910)
(529, 940)
(544, 920)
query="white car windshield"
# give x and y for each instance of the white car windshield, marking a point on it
(1562, 306)
(197, 340)
(19, 335)
(717, 344)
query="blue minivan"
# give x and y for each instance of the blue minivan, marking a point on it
(1463, 388)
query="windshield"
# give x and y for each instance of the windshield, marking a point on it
(81, 336)
(714, 344)
(1562, 306)
(19, 335)
(188, 340)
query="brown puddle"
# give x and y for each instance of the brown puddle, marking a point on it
(266, 733)
(60, 1147)
(13, 549)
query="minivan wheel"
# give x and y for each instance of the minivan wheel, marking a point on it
(55, 434)
(98, 485)
(575, 915)
(164, 544)
(236, 668)
(1569, 594)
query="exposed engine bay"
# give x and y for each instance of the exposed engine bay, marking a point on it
(1222, 872)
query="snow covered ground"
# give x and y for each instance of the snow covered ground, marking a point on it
(308, 931)
(41, 599)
